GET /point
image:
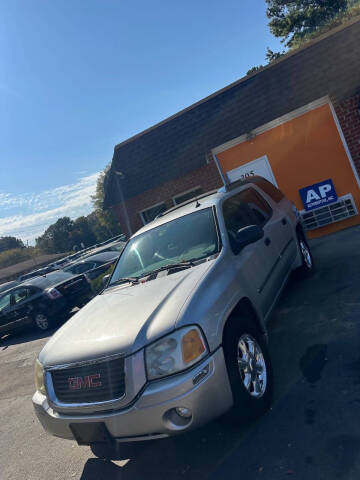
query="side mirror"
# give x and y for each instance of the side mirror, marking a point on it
(247, 235)
(105, 280)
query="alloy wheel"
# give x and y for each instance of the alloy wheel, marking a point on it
(41, 321)
(305, 252)
(252, 366)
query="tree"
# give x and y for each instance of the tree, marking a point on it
(292, 20)
(103, 219)
(7, 243)
(99, 227)
(82, 233)
(270, 56)
(65, 234)
(254, 69)
(56, 238)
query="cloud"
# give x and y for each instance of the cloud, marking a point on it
(27, 216)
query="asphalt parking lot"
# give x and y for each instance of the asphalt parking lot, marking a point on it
(312, 430)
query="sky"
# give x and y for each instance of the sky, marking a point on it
(78, 77)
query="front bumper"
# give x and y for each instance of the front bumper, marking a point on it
(205, 390)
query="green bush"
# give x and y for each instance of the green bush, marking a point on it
(17, 255)
(13, 256)
(97, 284)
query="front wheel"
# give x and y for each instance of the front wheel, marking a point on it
(250, 372)
(41, 321)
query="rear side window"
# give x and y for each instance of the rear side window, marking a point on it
(81, 268)
(269, 189)
(261, 210)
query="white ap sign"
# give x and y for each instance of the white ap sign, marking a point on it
(318, 195)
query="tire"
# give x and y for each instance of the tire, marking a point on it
(41, 321)
(250, 372)
(307, 267)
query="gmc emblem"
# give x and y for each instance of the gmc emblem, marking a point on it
(89, 381)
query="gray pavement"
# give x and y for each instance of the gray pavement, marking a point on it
(311, 431)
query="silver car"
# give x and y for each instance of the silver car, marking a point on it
(178, 336)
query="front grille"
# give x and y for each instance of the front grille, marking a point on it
(74, 287)
(95, 382)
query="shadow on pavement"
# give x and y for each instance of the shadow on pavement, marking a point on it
(29, 335)
(194, 455)
(23, 337)
(96, 469)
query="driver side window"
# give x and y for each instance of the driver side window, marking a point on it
(20, 294)
(237, 215)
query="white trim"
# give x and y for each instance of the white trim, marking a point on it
(253, 164)
(149, 208)
(338, 126)
(273, 124)
(184, 193)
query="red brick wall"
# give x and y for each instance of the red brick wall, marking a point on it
(207, 177)
(349, 119)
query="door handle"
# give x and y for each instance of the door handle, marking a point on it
(284, 221)
(267, 241)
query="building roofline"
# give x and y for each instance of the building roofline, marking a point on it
(283, 58)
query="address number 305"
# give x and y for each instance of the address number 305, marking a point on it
(247, 175)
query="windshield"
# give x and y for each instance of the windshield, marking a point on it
(191, 237)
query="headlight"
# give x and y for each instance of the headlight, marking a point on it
(39, 377)
(175, 352)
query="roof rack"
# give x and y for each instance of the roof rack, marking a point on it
(239, 183)
(225, 188)
(192, 200)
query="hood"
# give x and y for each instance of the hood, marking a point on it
(123, 319)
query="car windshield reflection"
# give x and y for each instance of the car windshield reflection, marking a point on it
(190, 237)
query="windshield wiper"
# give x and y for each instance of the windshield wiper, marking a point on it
(169, 266)
(132, 280)
(135, 280)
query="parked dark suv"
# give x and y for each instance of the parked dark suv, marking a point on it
(94, 265)
(39, 301)
(36, 273)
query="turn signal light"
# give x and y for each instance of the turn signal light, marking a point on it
(192, 346)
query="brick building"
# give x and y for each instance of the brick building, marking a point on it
(297, 119)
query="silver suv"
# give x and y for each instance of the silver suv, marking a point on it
(178, 336)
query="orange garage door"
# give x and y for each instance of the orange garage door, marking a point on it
(300, 150)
